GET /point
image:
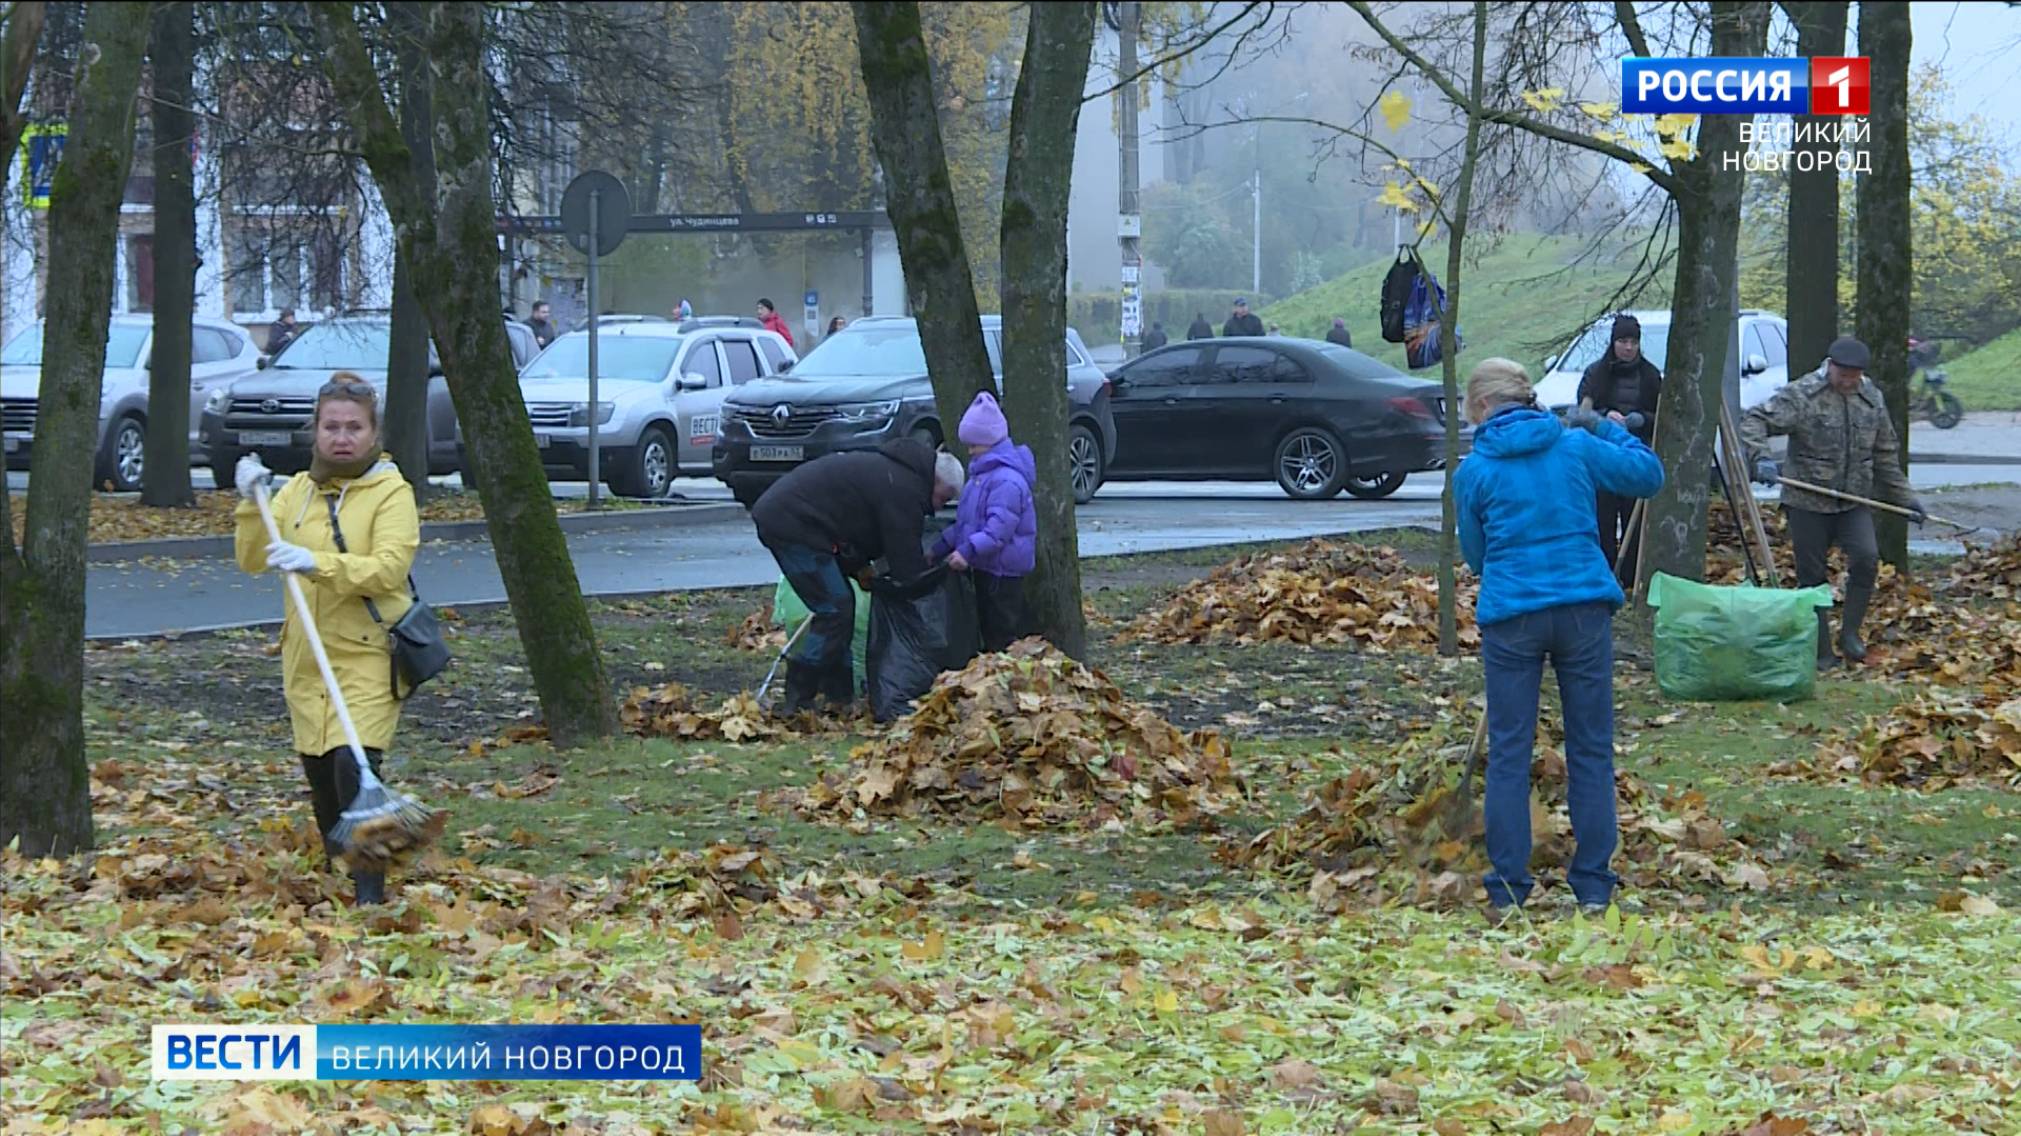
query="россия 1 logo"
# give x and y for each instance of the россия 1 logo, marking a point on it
(1744, 85)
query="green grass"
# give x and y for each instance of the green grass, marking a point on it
(1989, 377)
(1523, 299)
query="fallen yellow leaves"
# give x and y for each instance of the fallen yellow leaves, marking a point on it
(1037, 739)
(1376, 835)
(672, 711)
(1318, 593)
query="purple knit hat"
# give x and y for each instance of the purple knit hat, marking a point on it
(984, 423)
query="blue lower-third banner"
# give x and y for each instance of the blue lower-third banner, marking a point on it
(428, 1053)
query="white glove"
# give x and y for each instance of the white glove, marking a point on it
(250, 472)
(285, 557)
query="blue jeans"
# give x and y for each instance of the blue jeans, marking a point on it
(816, 577)
(1579, 641)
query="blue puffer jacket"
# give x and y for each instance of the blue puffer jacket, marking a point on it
(1527, 522)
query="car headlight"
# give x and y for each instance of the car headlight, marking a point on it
(217, 402)
(866, 411)
(578, 415)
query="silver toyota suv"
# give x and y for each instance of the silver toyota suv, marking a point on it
(660, 390)
(268, 413)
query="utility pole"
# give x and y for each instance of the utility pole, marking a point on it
(1129, 217)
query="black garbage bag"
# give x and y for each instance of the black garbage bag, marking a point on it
(918, 629)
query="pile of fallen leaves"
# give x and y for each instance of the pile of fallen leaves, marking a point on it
(1392, 831)
(1726, 563)
(1987, 571)
(119, 518)
(757, 633)
(1318, 593)
(1934, 742)
(1034, 738)
(674, 711)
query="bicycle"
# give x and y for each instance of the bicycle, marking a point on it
(1930, 400)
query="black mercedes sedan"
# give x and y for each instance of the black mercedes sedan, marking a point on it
(1315, 417)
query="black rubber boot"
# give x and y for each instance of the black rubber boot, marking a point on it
(371, 887)
(803, 683)
(1826, 657)
(1851, 616)
(324, 798)
(838, 688)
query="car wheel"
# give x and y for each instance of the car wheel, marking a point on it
(1311, 464)
(925, 436)
(746, 496)
(120, 462)
(1377, 487)
(650, 473)
(1084, 458)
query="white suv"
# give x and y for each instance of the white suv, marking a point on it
(660, 390)
(1764, 355)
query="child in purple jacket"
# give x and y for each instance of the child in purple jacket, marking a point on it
(995, 533)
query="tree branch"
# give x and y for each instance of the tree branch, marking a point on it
(17, 56)
(348, 63)
(1174, 57)
(1624, 14)
(1663, 179)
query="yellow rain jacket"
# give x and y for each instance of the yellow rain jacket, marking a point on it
(382, 529)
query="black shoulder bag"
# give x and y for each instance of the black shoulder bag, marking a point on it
(415, 641)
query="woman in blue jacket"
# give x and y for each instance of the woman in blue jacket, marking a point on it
(1527, 529)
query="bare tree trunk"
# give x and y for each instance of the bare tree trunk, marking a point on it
(165, 468)
(1449, 346)
(407, 377)
(1883, 223)
(1044, 121)
(448, 240)
(1812, 285)
(45, 779)
(919, 196)
(1708, 245)
(17, 59)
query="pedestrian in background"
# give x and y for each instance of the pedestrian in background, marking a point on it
(1200, 328)
(835, 324)
(996, 531)
(283, 332)
(1526, 528)
(349, 531)
(541, 323)
(1338, 333)
(1156, 337)
(1623, 385)
(773, 323)
(1242, 321)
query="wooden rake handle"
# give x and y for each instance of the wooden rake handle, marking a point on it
(1873, 504)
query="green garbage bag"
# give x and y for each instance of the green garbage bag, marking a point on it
(1718, 644)
(788, 611)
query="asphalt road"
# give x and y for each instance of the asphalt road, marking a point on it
(162, 597)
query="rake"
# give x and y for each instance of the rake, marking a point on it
(764, 688)
(380, 823)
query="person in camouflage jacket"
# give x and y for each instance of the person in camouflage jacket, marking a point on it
(1840, 437)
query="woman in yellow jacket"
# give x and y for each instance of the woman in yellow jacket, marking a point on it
(353, 492)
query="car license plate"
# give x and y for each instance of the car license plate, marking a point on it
(776, 453)
(541, 440)
(13, 444)
(265, 437)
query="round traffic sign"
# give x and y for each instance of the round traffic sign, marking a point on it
(604, 193)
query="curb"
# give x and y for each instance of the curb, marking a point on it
(574, 524)
(1964, 459)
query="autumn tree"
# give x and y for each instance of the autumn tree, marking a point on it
(1885, 247)
(172, 62)
(45, 789)
(447, 239)
(1704, 196)
(1811, 260)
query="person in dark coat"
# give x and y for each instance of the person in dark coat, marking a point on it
(1156, 337)
(826, 521)
(1338, 333)
(1623, 386)
(283, 332)
(1200, 328)
(541, 323)
(1242, 321)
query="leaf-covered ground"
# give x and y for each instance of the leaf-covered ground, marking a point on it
(928, 973)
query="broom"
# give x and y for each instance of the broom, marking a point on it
(380, 824)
